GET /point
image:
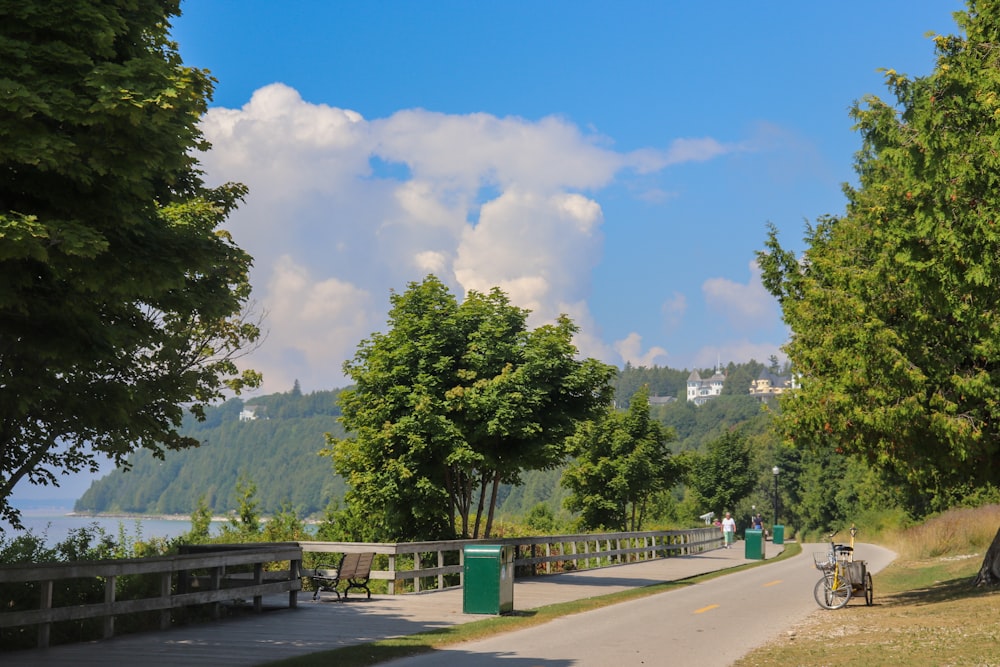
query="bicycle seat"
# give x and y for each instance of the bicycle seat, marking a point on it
(842, 548)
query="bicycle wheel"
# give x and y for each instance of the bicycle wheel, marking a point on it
(830, 597)
(869, 592)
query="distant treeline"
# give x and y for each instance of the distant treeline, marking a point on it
(278, 450)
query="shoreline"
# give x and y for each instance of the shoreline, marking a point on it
(137, 517)
(161, 517)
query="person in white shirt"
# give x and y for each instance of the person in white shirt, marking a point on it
(729, 529)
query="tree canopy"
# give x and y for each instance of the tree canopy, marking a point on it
(455, 399)
(893, 307)
(121, 299)
(621, 461)
(722, 476)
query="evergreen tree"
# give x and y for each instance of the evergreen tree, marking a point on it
(895, 330)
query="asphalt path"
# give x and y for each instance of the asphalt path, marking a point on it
(709, 624)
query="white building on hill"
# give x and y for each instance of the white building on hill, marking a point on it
(700, 391)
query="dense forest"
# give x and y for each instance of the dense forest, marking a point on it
(278, 451)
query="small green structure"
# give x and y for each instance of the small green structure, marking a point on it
(779, 535)
(754, 541)
(488, 579)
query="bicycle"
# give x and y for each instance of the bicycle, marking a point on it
(834, 589)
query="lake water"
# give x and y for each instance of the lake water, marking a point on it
(55, 522)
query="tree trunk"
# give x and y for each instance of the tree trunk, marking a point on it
(989, 573)
(482, 502)
(493, 503)
(461, 501)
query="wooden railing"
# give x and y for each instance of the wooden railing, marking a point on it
(179, 584)
(416, 566)
(213, 574)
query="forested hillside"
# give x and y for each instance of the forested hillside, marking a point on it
(278, 451)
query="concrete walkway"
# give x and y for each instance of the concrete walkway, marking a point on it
(326, 624)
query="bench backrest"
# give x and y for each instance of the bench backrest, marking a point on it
(356, 566)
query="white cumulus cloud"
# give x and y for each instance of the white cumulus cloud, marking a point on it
(630, 349)
(746, 306)
(343, 209)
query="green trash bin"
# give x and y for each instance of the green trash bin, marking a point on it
(779, 535)
(488, 579)
(754, 541)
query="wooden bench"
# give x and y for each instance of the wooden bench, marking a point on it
(355, 569)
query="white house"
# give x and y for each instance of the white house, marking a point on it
(700, 391)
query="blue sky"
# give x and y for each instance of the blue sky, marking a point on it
(617, 161)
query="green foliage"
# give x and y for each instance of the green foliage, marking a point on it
(658, 381)
(895, 330)
(696, 426)
(285, 526)
(541, 518)
(122, 300)
(536, 487)
(343, 525)
(246, 521)
(722, 476)
(89, 543)
(201, 522)
(278, 451)
(621, 460)
(451, 402)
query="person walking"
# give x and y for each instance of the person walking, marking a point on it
(729, 529)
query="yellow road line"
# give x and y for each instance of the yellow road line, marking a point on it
(704, 609)
(772, 583)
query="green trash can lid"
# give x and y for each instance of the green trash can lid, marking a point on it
(482, 550)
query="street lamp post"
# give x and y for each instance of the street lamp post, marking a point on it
(775, 470)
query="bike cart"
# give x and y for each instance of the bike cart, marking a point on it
(843, 577)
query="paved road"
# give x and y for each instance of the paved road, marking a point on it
(711, 623)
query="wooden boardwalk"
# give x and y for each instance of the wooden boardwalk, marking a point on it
(325, 624)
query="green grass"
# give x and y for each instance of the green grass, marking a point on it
(374, 653)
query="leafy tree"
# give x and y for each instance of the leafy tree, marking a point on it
(660, 380)
(201, 522)
(541, 518)
(244, 524)
(120, 298)
(453, 400)
(622, 460)
(723, 475)
(342, 525)
(285, 525)
(895, 330)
